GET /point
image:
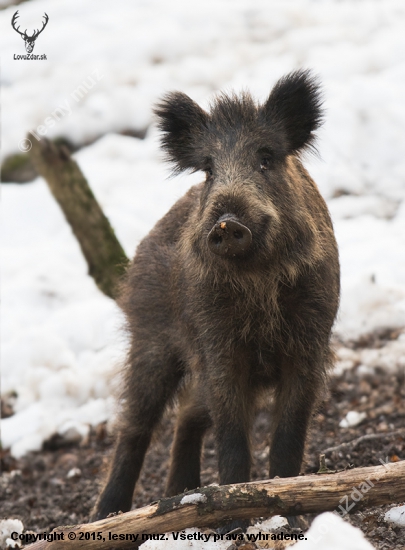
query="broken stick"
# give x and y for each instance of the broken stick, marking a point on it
(214, 505)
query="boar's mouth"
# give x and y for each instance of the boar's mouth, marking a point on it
(229, 237)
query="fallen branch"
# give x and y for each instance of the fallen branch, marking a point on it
(214, 505)
(353, 443)
(104, 255)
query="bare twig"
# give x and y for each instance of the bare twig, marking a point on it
(368, 437)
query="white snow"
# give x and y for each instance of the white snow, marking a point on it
(352, 418)
(106, 66)
(330, 532)
(390, 357)
(7, 527)
(268, 525)
(396, 516)
(193, 499)
(327, 532)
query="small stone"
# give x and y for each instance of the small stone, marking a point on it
(74, 473)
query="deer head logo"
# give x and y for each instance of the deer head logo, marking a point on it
(29, 40)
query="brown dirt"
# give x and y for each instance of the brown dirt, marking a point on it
(36, 488)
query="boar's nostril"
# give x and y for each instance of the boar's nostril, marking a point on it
(229, 238)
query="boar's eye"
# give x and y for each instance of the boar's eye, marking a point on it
(266, 157)
(265, 164)
(208, 171)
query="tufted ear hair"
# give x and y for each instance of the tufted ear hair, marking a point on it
(294, 109)
(183, 123)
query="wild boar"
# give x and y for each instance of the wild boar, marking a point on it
(233, 293)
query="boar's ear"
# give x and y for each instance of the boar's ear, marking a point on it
(182, 122)
(294, 109)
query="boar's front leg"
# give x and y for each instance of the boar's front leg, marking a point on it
(232, 405)
(294, 401)
(232, 415)
(151, 381)
(193, 421)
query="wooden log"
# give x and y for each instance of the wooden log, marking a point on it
(105, 257)
(215, 505)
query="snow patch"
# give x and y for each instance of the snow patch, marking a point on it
(353, 418)
(269, 525)
(396, 515)
(330, 532)
(8, 526)
(193, 499)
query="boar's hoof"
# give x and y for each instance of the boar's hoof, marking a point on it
(229, 238)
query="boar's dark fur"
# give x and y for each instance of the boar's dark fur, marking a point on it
(233, 293)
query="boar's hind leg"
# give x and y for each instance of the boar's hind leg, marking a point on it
(192, 423)
(150, 383)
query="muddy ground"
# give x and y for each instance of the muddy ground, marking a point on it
(37, 489)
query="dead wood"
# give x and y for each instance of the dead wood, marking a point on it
(104, 255)
(215, 505)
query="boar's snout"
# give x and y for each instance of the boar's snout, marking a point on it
(229, 237)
